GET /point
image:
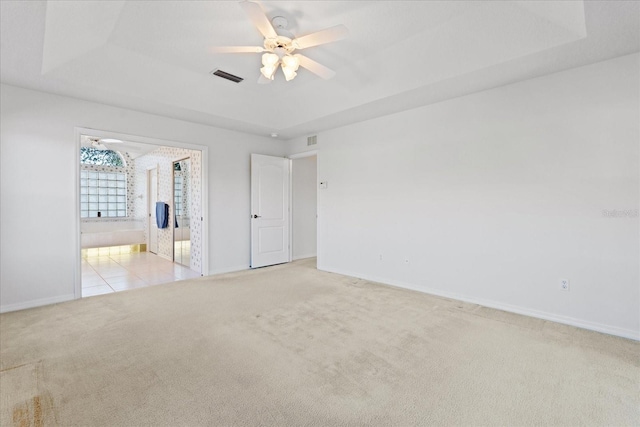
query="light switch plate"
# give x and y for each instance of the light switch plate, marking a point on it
(323, 185)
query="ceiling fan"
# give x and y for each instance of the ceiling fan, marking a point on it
(98, 143)
(279, 49)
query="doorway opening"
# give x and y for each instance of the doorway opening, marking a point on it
(304, 206)
(283, 208)
(122, 242)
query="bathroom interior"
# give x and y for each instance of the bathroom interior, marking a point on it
(123, 187)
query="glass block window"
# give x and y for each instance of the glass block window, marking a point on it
(103, 194)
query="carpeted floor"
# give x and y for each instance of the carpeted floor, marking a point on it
(291, 346)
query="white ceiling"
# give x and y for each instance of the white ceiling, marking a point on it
(156, 56)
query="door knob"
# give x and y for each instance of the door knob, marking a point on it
(257, 216)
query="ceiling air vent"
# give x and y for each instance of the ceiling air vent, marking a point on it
(227, 76)
(312, 140)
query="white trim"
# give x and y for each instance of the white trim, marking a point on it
(204, 152)
(230, 270)
(566, 320)
(290, 210)
(304, 256)
(318, 237)
(204, 199)
(36, 303)
(77, 279)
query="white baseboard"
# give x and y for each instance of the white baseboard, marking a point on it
(297, 257)
(229, 270)
(35, 303)
(584, 324)
(571, 321)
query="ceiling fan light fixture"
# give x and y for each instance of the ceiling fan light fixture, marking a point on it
(270, 59)
(290, 65)
(291, 62)
(270, 62)
(289, 73)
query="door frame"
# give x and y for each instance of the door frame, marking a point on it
(173, 211)
(148, 171)
(204, 188)
(291, 158)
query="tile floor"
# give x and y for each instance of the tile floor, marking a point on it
(103, 274)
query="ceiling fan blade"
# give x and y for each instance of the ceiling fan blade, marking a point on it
(321, 37)
(237, 49)
(315, 67)
(259, 19)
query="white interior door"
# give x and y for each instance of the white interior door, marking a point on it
(152, 182)
(269, 210)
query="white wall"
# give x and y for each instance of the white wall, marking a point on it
(38, 159)
(495, 196)
(304, 208)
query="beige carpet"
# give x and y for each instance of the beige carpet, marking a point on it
(291, 346)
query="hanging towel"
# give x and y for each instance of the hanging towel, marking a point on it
(162, 214)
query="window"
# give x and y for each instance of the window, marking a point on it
(103, 194)
(94, 156)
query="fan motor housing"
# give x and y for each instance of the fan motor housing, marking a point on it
(279, 42)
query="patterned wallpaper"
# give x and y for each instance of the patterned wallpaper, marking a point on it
(163, 158)
(195, 195)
